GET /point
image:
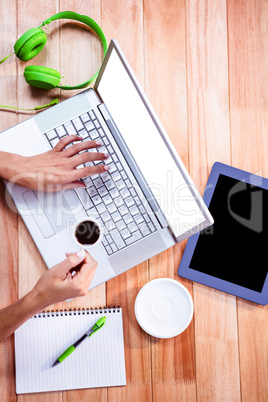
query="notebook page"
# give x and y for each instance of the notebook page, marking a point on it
(99, 361)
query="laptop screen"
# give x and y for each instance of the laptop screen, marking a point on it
(127, 107)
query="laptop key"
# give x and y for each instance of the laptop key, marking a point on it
(94, 134)
(89, 126)
(109, 239)
(125, 233)
(110, 185)
(134, 210)
(87, 181)
(92, 114)
(105, 176)
(117, 238)
(116, 176)
(128, 218)
(105, 216)
(114, 192)
(130, 240)
(110, 225)
(101, 208)
(135, 236)
(151, 226)
(61, 131)
(98, 182)
(102, 191)
(70, 128)
(144, 229)
(97, 124)
(113, 247)
(119, 201)
(54, 142)
(51, 134)
(109, 250)
(123, 210)
(85, 117)
(111, 207)
(116, 216)
(96, 199)
(77, 123)
(112, 168)
(107, 199)
(129, 201)
(132, 227)
(83, 133)
(138, 219)
(104, 241)
(121, 225)
(92, 191)
(120, 184)
(125, 193)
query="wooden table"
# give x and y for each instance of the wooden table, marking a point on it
(204, 66)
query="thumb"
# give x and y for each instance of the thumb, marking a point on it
(76, 258)
(72, 260)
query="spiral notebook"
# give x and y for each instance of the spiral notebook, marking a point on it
(99, 361)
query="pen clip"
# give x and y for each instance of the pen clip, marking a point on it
(98, 325)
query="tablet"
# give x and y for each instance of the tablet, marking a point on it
(232, 254)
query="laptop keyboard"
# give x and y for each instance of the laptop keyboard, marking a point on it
(110, 196)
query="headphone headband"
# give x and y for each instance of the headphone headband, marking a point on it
(91, 24)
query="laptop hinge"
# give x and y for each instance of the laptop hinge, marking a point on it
(133, 166)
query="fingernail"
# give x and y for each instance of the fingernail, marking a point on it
(106, 167)
(81, 253)
(98, 142)
(106, 155)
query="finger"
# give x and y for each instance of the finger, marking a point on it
(81, 146)
(88, 268)
(88, 157)
(70, 262)
(88, 171)
(65, 141)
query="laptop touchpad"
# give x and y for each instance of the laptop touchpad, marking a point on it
(50, 211)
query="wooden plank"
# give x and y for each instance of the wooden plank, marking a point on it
(173, 362)
(217, 361)
(31, 265)
(248, 69)
(8, 215)
(124, 21)
(81, 56)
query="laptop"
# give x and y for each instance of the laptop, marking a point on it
(145, 203)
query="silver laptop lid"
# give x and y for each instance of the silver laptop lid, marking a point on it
(150, 146)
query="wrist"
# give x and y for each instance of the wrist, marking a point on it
(36, 300)
(10, 165)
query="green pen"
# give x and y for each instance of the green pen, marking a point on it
(98, 325)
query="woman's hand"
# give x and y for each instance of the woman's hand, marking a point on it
(53, 170)
(63, 281)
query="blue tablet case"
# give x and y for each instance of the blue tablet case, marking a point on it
(255, 286)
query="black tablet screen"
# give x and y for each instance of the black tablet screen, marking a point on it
(235, 248)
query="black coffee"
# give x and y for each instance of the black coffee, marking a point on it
(87, 233)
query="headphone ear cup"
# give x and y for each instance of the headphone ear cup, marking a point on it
(30, 44)
(42, 77)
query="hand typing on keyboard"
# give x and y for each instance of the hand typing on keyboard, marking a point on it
(55, 169)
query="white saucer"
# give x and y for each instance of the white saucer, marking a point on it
(164, 308)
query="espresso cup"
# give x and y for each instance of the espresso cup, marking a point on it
(87, 233)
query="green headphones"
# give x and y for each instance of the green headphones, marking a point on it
(33, 41)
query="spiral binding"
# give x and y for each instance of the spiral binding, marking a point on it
(77, 311)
